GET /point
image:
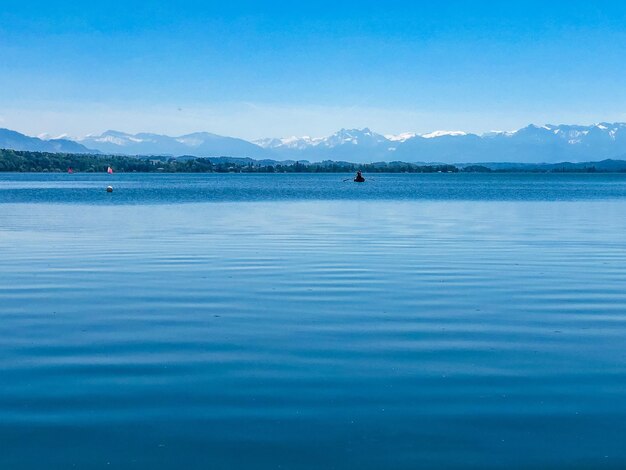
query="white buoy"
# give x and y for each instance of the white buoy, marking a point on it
(109, 189)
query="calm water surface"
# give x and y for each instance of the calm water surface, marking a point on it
(295, 321)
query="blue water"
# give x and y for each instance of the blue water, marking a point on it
(184, 188)
(298, 322)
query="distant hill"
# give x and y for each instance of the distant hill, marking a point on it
(14, 140)
(608, 165)
(531, 144)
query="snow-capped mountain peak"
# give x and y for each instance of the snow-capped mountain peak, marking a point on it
(352, 137)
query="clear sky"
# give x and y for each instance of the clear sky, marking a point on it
(258, 69)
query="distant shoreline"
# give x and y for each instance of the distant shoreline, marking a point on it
(19, 161)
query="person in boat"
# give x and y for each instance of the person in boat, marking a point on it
(359, 177)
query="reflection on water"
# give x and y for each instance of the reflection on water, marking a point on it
(313, 334)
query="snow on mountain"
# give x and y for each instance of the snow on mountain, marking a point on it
(400, 137)
(498, 133)
(113, 137)
(431, 135)
(289, 142)
(47, 136)
(346, 144)
(353, 137)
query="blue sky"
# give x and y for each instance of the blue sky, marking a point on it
(255, 69)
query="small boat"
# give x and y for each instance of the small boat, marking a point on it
(359, 177)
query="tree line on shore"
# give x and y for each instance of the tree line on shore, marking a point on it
(28, 161)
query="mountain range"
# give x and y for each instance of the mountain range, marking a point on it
(531, 144)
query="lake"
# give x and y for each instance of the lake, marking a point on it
(296, 321)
